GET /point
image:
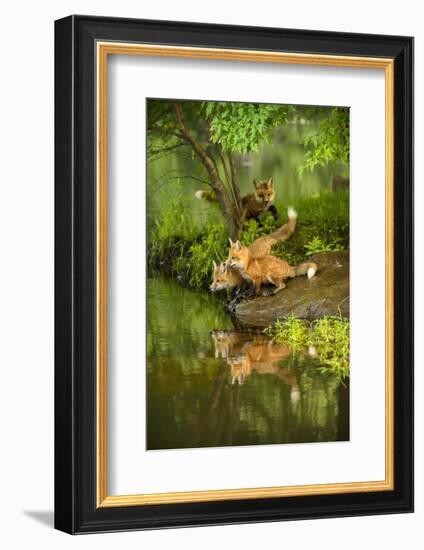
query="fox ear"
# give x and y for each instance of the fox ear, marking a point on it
(238, 245)
(231, 242)
(255, 184)
(214, 264)
(270, 182)
(223, 267)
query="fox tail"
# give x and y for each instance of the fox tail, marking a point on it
(286, 231)
(206, 195)
(307, 268)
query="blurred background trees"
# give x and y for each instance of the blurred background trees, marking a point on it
(210, 145)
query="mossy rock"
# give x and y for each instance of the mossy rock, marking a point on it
(325, 294)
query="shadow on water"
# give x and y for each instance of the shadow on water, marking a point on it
(210, 385)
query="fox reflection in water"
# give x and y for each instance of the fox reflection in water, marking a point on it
(244, 354)
(229, 387)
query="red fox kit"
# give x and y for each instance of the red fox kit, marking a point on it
(254, 204)
(266, 270)
(225, 277)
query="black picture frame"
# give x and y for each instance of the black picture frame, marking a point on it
(75, 275)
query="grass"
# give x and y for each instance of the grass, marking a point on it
(323, 225)
(328, 335)
(182, 249)
(179, 248)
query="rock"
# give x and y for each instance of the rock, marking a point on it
(325, 294)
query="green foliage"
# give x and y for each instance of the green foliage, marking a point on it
(176, 218)
(323, 224)
(222, 127)
(212, 246)
(328, 337)
(243, 127)
(240, 127)
(171, 235)
(330, 143)
(317, 245)
(252, 230)
(185, 251)
(178, 247)
(291, 330)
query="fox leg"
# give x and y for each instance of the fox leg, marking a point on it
(235, 292)
(278, 288)
(257, 284)
(279, 285)
(251, 291)
(244, 294)
(273, 211)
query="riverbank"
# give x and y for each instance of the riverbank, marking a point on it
(185, 251)
(326, 294)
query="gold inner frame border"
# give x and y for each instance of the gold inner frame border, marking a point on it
(103, 50)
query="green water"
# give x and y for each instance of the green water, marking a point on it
(229, 387)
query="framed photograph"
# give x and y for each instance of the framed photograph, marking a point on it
(234, 274)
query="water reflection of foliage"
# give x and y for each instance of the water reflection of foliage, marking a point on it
(187, 318)
(206, 410)
(328, 336)
(194, 400)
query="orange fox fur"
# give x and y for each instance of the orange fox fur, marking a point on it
(226, 278)
(261, 200)
(262, 356)
(266, 270)
(262, 246)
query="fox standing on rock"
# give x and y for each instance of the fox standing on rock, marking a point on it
(267, 269)
(254, 204)
(227, 278)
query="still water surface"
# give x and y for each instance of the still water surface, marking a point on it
(210, 385)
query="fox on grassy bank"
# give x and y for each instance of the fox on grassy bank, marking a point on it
(254, 204)
(267, 269)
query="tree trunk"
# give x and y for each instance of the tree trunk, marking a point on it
(217, 184)
(227, 209)
(236, 187)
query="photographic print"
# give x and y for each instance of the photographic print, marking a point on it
(207, 196)
(248, 274)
